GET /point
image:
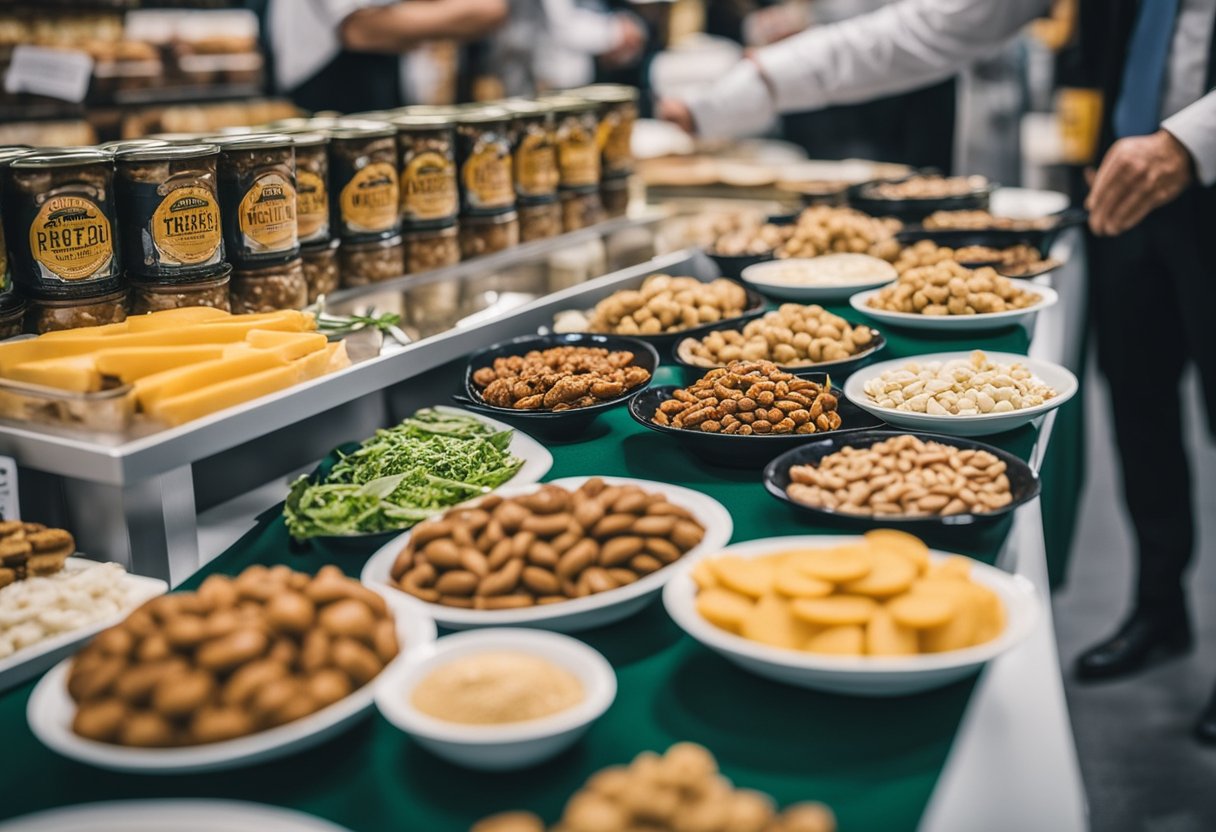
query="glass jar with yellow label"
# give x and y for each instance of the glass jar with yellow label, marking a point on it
(540, 221)
(155, 295)
(312, 186)
(483, 160)
(12, 315)
(371, 262)
(321, 271)
(578, 155)
(363, 175)
(431, 248)
(534, 149)
(170, 211)
(426, 151)
(486, 235)
(257, 179)
(62, 224)
(54, 314)
(618, 112)
(269, 288)
(121, 145)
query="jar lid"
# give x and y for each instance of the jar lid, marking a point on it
(608, 93)
(571, 104)
(11, 303)
(41, 159)
(308, 137)
(167, 153)
(180, 137)
(421, 121)
(257, 141)
(221, 275)
(449, 110)
(121, 145)
(319, 247)
(361, 129)
(307, 124)
(527, 107)
(237, 130)
(482, 114)
(112, 296)
(8, 154)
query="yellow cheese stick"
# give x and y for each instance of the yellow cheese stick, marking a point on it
(169, 318)
(338, 359)
(170, 383)
(77, 373)
(130, 363)
(291, 345)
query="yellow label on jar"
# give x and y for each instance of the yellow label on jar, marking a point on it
(603, 132)
(70, 237)
(579, 159)
(428, 187)
(616, 148)
(267, 214)
(487, 179)
(186, 226)
(312, 205)
(369, 199)
(536, 165)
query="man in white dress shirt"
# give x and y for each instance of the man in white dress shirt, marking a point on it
(1152, 217)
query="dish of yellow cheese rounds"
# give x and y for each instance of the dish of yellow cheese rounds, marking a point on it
(882, 596)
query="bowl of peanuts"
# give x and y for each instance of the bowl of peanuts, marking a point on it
(873, 615)
(948, 297)
(912, 198)
(1010, 253)
(571, 554)
(744, 414)
(901, 479)
(961, 393)
(799, 339)
(557, 383)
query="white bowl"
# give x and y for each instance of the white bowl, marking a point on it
(760, 277)
(980, 424)
(180, 815)
(536, 457)
(579, 613)
(51, 710)
(854, 675)
(498, 747)
(958, 323)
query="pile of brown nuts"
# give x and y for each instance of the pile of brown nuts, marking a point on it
(1011, 260)
(559, 378)
(680, 790)
(751, 241)
(950, 289)
(982, 220)
(822, 229)
(667, 304)
(792, 336)
(925, 187)
(238, 656)
(750, 397)
(903, 476)
(546, 547)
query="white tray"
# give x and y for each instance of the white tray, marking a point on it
(957, 323)
(163, 815)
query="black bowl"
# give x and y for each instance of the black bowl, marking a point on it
(915, 210)
(1041, 239)
(836, 369)
(1023, 482)
(733, 451)
(732, 265)
(550, 422)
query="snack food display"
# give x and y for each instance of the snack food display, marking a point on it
(238, 656)
(29, 550)
(959, 387)
(925, 186)
(903, 476)
(793, 335)
(751, 397)
(257, 189)
(982, 220)
(1011, 261)
(363, 174)
(402, 475)
(881, 596)
(545, 547)
(426, 148)
(559, 378)
(662, 304)
(947, 288)
(497, 688)
(821, 229)
(678, 791)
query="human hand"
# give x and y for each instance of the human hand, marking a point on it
(677, 112)
(631, 39)
(1138, 175)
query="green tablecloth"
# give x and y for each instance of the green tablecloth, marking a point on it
(874, 761)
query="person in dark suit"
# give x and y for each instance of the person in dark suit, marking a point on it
(1151, 204)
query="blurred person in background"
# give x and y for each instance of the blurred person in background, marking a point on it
(359, 55)
(1151, 208)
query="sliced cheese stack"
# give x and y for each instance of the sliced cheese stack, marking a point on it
(181, 363)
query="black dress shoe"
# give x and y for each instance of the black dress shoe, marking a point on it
(1205, 728)
(1141, 640)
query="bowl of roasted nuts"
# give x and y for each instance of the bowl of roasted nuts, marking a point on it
(799, 339)
(734, 251)
(912, 198)
(960, 393)
(557, 383)
(568, 555)
(242, 670)
(947, 296)
(664, 309)
(1011, 254)
(873, 615)
(893, 478)
(744, 414)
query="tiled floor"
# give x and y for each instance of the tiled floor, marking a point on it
(1142, 771)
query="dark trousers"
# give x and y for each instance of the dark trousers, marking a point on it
(1154, 301)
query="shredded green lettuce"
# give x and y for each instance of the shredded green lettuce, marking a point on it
(401, 476)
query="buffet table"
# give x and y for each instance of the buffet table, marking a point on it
(993, 752)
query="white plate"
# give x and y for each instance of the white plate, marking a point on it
(580, 613)
(982, 424)
(536, 457)
(958, 323)
(177, 815)
(29, 662)
(755, 276)
(51, 710)
(508, 746)
(856, 675)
